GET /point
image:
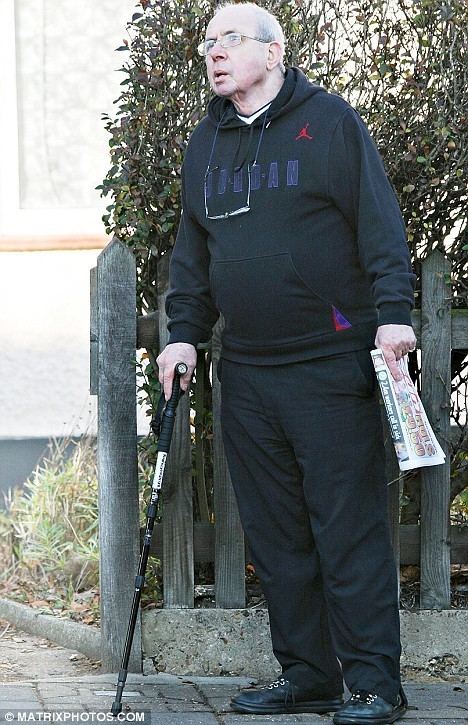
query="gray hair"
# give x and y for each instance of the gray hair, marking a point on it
(268, 27)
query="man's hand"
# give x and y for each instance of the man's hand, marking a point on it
(395, 341)
(167, 360)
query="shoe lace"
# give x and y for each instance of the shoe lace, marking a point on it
(276, 683)
(363, 696)
(280, 683)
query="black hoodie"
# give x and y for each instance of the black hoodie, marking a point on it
(318, 261)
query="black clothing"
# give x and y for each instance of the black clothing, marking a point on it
(366, 707)
(283, 696)
(305, 451)
(321, 257)
(302, 278)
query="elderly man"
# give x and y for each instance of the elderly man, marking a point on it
(292, 231)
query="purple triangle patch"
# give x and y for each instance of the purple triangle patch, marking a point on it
(340, 321)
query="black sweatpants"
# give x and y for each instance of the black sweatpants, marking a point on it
(305, 452)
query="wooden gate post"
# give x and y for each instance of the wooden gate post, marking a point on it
(392, 473)
(117, 452)
(229, 536)
(435, 394)
(177, 495)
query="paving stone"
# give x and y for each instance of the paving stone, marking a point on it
(440, 713)
(63, 702)
(437, 701)
(220, 704)
(156, 707)
(179, 704)
(192, 718)
(432, 694)
(60, 707)
(188, 707)
(179, 691)
(433, 721)
(20, 693)
(240, 719)
(220, 681)
(175, 700)
(57, 689)
(15, 708)
(228, 686)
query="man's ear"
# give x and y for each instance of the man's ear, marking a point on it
(274, 55)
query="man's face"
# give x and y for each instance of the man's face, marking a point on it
(234, 72)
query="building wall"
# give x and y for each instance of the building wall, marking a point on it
(44, 356)
(44, 316)
(59, 74)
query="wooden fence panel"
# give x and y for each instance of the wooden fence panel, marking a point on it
(93, 329)
(199, 403)
(113, 348)
(229, 536)
(117, 452)
(177, 502)
(393, 496)
(458, 326)
(435, 395)
(410, 543)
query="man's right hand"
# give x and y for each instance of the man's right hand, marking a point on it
(167, 360)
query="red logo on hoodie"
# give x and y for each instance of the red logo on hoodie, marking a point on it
(303, 133)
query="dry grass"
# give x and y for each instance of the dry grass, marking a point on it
(49, 536)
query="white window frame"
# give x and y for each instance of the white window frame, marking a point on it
(31, 228)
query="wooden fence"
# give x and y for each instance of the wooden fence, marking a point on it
(116, 334)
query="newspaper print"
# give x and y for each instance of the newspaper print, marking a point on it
(413, 438)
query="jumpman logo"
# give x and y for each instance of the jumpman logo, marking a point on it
(303, 133)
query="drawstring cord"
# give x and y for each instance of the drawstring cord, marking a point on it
(239, 140)
(214, 143)
(208, 169)
(260, 139)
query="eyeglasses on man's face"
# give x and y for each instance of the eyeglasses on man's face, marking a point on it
(227, 41)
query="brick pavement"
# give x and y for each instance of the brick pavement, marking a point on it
(173, 700)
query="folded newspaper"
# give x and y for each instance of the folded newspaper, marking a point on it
(413, 438)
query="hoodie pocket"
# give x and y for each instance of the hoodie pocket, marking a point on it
(264, 300)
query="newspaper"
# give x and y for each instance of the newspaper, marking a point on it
(413, 438)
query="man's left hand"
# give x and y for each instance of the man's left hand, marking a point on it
(395, 341)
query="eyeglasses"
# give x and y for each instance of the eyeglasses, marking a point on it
(242, 210)
(250, 168)
(227, 41)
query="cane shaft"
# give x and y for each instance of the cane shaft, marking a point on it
(167, 428)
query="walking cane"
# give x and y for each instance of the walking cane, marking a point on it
(162, 426)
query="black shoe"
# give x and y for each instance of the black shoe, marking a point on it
(283, 697)
(366, 707)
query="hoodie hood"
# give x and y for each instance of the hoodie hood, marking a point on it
(295, 90)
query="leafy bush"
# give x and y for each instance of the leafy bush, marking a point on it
(401, 63)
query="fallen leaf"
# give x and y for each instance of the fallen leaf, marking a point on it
(77, 607)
